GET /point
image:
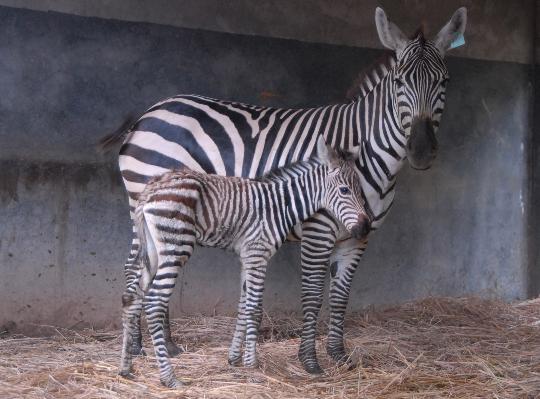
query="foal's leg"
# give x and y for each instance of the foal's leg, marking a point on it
(235, 351)
(343, 264)
(318, 238)
(171, 257)
(131, 311)
(131, 270)
(255, 267)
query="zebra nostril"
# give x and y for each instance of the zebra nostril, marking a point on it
(361, 229)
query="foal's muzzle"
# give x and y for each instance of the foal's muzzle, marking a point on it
(362, 228)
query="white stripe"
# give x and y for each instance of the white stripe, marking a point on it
(154, 142)
(260, 146)
(277, 141)
(127, 162)
(195, 128)
(230, 130)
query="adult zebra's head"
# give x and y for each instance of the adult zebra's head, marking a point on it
(419, 78)
(341, 189)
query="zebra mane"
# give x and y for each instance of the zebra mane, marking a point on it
(371, 76)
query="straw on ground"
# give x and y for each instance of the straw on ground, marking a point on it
(459, 348)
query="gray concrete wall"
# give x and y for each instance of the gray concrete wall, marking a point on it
(458, 229)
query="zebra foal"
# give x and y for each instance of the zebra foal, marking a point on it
(251, 217)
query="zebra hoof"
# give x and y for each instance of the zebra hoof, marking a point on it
(343, 360)
(313, 369)
(173, 350)
(173, 383)
(251, 364)
(127, 375)
(339, 356)
(235, 361)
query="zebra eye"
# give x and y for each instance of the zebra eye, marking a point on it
(398, 81)
(344, 190)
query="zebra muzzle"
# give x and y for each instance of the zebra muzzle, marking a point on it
(362, 228)
(422, 144)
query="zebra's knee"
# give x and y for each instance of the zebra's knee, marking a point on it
(129, 298)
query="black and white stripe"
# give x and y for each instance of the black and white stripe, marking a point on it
(251, 217)
(396, 111)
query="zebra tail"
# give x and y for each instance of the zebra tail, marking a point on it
(146, 254)
(112, 140)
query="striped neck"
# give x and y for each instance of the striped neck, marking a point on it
(300, 188)
(371, 121)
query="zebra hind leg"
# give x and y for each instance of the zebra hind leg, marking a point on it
(318, 238)
(343, 265)
(173, 349)
(131, 269)
(235, 350)
(156, 302)
(131, 310)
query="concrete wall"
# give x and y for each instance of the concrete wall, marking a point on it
(69, 77)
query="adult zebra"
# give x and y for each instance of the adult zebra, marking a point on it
(394, 117)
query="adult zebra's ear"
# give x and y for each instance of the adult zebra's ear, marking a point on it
(389, 34)
(452, 31)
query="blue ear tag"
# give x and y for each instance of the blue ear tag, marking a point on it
(458, 41)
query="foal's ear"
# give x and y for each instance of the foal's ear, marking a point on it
(326, 153)
(355, 153)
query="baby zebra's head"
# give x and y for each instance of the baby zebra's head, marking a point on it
(342, 192)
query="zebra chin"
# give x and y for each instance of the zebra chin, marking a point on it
(361, 229)
(422, 145)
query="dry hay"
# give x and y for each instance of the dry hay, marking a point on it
(459, 348)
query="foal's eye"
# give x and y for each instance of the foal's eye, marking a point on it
(344, 190)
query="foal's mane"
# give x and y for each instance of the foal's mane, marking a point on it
(280, 173)
(295, 167)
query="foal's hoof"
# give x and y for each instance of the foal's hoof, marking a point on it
(340, 356)
(173, 383)
(235, 361)
(173, 350)
(314, 369)
(126, 374)
(251, 364)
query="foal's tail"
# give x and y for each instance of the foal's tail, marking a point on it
(110, 141)
(147, 254)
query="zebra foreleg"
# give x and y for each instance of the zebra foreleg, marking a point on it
(318, 237)
(343, 264)
(255, 267)
(235, 351)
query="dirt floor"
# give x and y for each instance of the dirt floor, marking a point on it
(458, 348)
